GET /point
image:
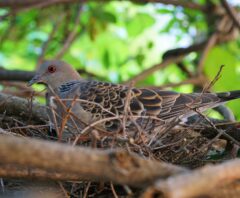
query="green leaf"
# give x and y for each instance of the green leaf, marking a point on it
(140, 58)
(106, 59)
(139, 23)
(230, 79)
(104, 15)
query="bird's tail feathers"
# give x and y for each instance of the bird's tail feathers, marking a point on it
(231, 95)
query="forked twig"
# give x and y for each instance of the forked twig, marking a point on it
(213, 82)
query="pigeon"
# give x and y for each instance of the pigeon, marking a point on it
(77, 103)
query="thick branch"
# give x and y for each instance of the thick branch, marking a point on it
(232, 190)
(15, 75)
(88, 164)
(19, 75)
(20, 3)
(12, 105)
(12, 171)
(199, 182)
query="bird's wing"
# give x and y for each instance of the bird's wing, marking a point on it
(168, 104)
(106, 99)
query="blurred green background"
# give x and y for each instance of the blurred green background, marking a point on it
(116, 40)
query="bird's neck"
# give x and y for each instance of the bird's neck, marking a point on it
(63, 88)
(56, 81)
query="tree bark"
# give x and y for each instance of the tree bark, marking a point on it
(199, 182)
(88, 164)
(15, 106)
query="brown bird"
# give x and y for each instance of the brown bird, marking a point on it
(104, 105)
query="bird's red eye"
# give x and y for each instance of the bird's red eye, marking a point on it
(51, 69)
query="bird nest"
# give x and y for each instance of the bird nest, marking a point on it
(191, 145)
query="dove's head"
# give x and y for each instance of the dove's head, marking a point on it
(54, 73)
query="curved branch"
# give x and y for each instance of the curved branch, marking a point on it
(199, 182)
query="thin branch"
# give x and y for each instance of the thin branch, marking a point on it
(88, 164)
(72, 36)
(213, 82)
(209, 45)
(154, 68)
(46, 43)
(200, 80)
(231, 12)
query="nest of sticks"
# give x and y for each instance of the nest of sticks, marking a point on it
(131, 168)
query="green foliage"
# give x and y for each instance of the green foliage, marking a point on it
(117, 40)
(137, 24)
(230, 80)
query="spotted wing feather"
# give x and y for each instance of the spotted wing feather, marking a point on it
(107, 100)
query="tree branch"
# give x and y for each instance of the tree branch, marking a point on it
(88, 164)
(231, 12)
(25, 76)
(21, 107)
(154, 68)
(13, 171)
(15, 75)
(19, 3)
(199, 182)
(72, 35)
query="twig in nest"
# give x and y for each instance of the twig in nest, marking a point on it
(113, 190)
(66, 117)
(127, 107)
(220, 132)
(63, 189)
(86, 190)
(67, 111)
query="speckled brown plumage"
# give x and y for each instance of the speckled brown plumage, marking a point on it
(100, 100)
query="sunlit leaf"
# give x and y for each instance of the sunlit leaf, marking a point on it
(139, 23)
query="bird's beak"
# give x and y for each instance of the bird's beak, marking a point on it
(35, 79)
